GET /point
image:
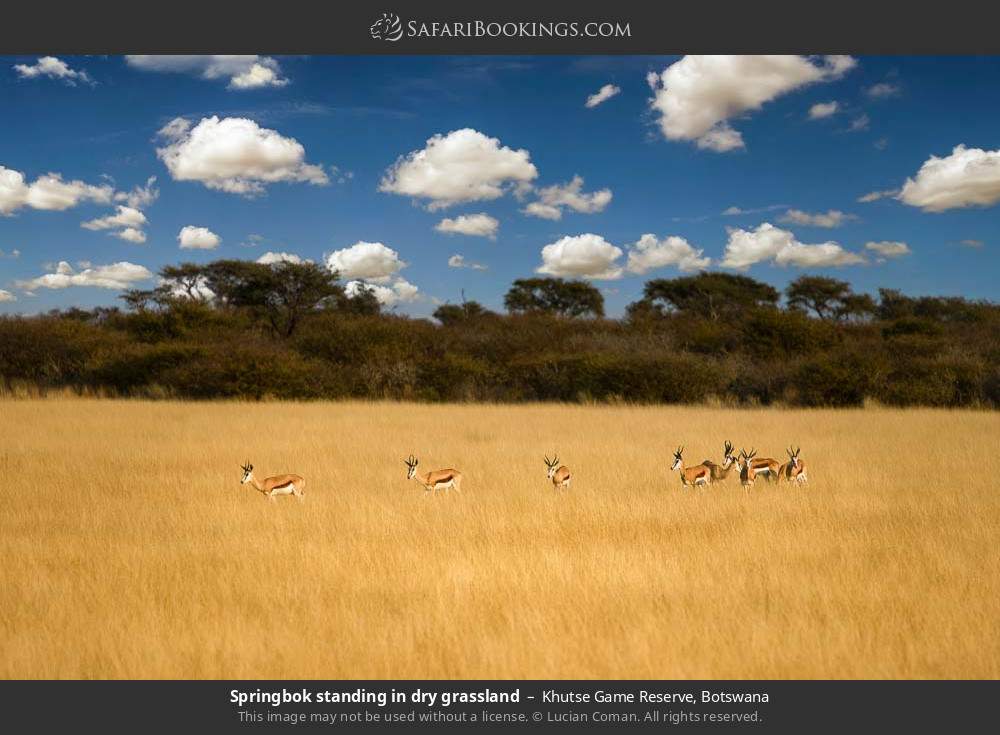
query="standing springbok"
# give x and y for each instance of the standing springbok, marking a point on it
(721, 472)
(436, 480)
(690, 476)
(748, 474)
(560, 476)
(794, 468)
(767, 467)
(277, 485)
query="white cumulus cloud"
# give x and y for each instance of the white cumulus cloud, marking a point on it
(462, 166)
(581, 256)
(459, 261)
(6, 296)
(861, 122)
(198, 238)
(770, 243)
(602, 95)
(545, 211)
(650, 253)
(882, 90)
(889, 249)
(258, 75)
(400, 291)
(271, 258)
(243, 71)
(48, 192)
(552, 200)
(115, 276)
(829, 219)
(823, 109)
(140, 196)
(131, 234)
(53, 68)
(234, 154)
(874, 196)
(479, 225)
(369, 261)
(698, 95)
(123, 217)
(735, 211)
(969, 177)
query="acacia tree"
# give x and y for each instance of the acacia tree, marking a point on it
(362, 301)
(554, 296)
(187, 279)
(828, 298)
(280, 294)
(452, 314)
(710, 295)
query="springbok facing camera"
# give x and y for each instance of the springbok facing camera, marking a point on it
(691, 476)
(436, 480)
(794, 468)
(560, 476)
(277, 485)
(748, 474)
(721, 472)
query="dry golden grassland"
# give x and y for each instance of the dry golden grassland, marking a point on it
(130, 549)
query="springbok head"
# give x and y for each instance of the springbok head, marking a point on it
(553, 465)
(411, 466)
(247, 472)
(729, 456)
(744, 458)
(793, 455)
(677, 458)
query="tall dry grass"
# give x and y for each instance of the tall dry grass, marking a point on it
(130, 550)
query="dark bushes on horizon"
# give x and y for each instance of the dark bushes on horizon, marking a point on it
(711, 337)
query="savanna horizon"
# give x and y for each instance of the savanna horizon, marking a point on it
(133, 551)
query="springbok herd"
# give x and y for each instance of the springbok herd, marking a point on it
(750, 467)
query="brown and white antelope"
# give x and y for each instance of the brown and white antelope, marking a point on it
(277, 485)
(721, 472)
(794, 468)
(691, 476)
(559, 475)
(767, 467)
(748, 475)
(436, 480)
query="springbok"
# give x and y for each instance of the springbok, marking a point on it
(277, 485)
(691, 476)
(721, 472)
(794, 468)
(767, 467)
(747, 472)
(560, 476)
(436, 480)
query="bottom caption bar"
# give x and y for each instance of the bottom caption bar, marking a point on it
(241, 706)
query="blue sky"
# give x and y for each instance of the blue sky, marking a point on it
(313, 155)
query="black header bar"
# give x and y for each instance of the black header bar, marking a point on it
(510, 27)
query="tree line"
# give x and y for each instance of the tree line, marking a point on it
(238, 329)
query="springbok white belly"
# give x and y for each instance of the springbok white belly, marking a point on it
(288, 489)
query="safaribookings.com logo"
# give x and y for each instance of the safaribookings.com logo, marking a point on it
(387, 28)
(390, 28)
